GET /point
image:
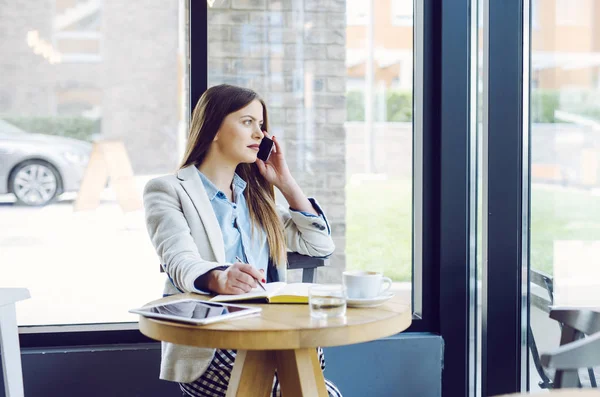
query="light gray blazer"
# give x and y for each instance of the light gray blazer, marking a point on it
(187, 237)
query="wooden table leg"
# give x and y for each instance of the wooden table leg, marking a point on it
(252, 374)
(300, 373)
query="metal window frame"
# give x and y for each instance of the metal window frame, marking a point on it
(458, 198)
(505, 306)
(426, 167)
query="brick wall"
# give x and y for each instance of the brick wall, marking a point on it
(293, 54)
(136, 78)
(140, 81)
(26, 79)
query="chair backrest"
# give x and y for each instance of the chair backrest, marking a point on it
(582, 320)
(571, 325)
(543, 331)
(308, 264)
(576, 324)
(543, 298)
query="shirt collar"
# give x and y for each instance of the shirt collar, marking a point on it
(239, 184)
(212, 190)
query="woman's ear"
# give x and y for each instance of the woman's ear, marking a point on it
(216, 138)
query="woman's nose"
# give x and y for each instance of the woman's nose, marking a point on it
(258, 132)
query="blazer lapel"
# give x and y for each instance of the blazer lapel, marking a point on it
(191, 182)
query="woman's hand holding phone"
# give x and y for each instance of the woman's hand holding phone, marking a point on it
(275, 169)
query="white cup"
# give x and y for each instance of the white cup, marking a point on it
(361, 284)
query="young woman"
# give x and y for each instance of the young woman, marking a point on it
(218, 207)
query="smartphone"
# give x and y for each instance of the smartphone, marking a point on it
(264, 150)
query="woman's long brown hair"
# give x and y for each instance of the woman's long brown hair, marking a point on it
(215, 104)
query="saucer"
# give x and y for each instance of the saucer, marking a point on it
(369, 302)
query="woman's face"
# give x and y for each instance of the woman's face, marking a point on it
(240, 134)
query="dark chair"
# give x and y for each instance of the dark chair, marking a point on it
(308, 263)
(541, 302)
(569, 357)
(574, 325)
(578, 325)
(298, 261)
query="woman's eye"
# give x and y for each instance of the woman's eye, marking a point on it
(247, 122)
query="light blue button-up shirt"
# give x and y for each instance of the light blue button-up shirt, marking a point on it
(236, 226)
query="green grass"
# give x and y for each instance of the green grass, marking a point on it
(560, 214)
(378, 235)
(379, 227)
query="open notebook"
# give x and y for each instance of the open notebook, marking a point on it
(278, 292)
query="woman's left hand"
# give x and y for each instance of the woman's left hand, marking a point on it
(275, 169)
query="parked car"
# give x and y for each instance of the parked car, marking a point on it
(36, 168)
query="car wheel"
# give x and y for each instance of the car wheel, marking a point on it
(34, 183)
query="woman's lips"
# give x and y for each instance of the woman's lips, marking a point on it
(254, 147)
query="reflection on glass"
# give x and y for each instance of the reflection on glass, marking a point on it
(194, 309)
(338, 82)
(565, 148)
(82, 83)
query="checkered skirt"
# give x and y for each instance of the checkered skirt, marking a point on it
(214, 381)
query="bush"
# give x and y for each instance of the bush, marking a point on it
(72, 127)
(355, 106)
(581, 102)
(399, 106)
(543, 105)
(585, 103)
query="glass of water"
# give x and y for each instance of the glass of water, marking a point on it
(327, 300)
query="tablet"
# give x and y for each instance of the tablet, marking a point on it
(197, 312)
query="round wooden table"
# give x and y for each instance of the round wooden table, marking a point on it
(283, 338)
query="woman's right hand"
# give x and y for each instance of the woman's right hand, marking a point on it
(238, 278)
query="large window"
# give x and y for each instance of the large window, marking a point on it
(538, 119)
(565, 164)
(339, 93)
(92, 104)
(84, 82)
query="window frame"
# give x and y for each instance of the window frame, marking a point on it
(458, 197)
(506, 161)
(426, 124)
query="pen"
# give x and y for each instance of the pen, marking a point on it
(237, 258)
